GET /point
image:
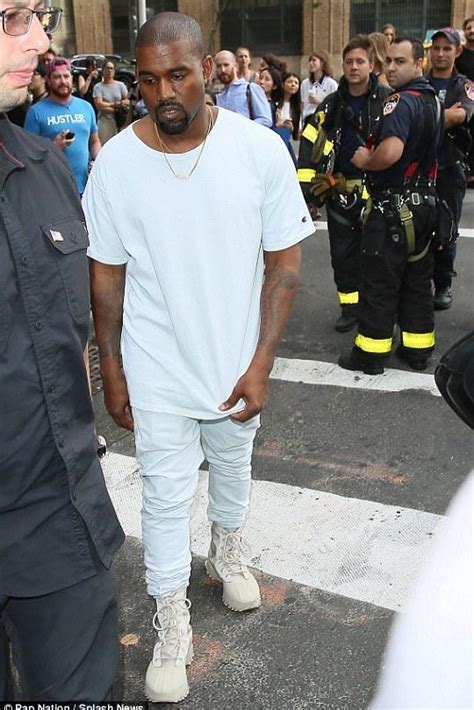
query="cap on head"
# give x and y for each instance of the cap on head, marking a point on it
(448, 33)
(59, 63)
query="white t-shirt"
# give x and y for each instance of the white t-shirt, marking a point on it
(318, 89)
(430, 654)
(194, 255)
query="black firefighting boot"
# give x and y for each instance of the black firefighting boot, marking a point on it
(358, 360)
(415, 360)
(348, 318)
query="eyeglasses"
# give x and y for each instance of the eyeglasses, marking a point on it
(17, 21)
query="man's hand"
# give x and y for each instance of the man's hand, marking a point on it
(61, 141)
(252, 387)
(361, 157)
(116, 396)
(455, 115)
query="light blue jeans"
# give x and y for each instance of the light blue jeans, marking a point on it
(170, 449)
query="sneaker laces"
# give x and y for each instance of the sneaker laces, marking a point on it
(235, 549)
(172, 640)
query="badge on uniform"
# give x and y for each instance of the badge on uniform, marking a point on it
(469, 89)
(391, 104)
(57, 236)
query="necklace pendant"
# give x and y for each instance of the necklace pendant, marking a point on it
(180, 176)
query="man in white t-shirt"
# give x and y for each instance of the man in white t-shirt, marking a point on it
(198, 284)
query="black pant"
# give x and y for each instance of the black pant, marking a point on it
(344, 244)
(450, 186)
(394, 289)
(65, 644)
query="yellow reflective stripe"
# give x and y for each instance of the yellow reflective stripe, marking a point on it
(372, 345)
(328, 146)
(306, 174)
(348, 297)
(418, 340)
(365, 194)
(310, 133)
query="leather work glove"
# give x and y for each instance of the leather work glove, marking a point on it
(325, 184)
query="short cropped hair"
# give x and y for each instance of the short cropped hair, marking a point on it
(359, 42)
(167, 27)
(416, 46)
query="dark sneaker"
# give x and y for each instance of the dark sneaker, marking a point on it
(353, 361)
(416, 363)
(443, 299)
(346, 321)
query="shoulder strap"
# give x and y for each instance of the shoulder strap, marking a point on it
(248, 94)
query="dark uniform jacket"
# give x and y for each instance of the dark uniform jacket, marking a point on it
(457, 140)
(57, 523)
(321, 138)
(413, 115)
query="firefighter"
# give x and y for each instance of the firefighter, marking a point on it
(456, 94)
(344, 120)
(396, 258)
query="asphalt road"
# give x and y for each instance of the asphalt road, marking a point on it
(379, 464)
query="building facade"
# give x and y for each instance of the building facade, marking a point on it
(289, 28)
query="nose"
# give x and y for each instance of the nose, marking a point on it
(36, 38)
(165, 90)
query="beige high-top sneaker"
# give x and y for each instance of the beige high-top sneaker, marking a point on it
(225, 562)
(166, 680)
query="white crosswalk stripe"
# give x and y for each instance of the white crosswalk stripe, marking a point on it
(315, 372)
(356, 548)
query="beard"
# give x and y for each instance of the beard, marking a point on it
(176, 125)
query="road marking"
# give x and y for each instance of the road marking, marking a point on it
(356, 548)
(463, 231)
(315, 372)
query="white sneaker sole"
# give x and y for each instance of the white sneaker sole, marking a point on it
(233, 605)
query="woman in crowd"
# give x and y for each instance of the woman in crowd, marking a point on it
(111, 101)
(317, 85)
(244, 65)
(85, 84)
(388, 31)
(288, 112)
(270, 81)
(380, 45)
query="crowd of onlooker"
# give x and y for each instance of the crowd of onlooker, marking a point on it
(269, 93)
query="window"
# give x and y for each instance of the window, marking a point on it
(410, 17)
(262, 25)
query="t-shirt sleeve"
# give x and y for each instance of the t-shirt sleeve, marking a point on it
(123, 90)
(285, 217)
(32, 123)
(93, 121)
(105, 243)
(97, 92)
(398, 120)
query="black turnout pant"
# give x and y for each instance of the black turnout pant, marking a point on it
(64, 644)
(344, 243)
(393, 289)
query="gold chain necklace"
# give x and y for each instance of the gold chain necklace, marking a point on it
(164, 149)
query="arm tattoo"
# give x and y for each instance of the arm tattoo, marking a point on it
(107, 305)
(278, 294)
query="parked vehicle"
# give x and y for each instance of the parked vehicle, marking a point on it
(124, 69)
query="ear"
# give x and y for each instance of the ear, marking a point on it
(207, 67)
(458, 51)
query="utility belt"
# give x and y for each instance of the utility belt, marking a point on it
(397, 198)
(396, 207)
